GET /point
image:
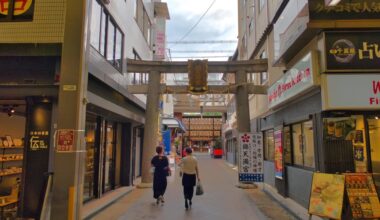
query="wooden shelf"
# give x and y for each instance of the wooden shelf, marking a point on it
(12, 147)
(9, 174)
(11, 160)
(9, 202)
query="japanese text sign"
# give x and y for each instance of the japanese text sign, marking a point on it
(352, 51)
(251, 161)
(337, 87)
(345, 10)
(65, 141)
(296, 80)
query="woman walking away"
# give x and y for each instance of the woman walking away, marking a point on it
(161, 171)
(189, 169)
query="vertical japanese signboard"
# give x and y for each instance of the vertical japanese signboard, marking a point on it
(278, 154)
(251, 157)
(160, 41)
(362, 195)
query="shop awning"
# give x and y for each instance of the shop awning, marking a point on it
(173, 123)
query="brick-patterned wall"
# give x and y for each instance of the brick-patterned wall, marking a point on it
(47, 25)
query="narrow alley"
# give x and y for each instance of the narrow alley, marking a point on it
(221, 201)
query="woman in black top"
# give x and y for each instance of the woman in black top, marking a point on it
(161, 171)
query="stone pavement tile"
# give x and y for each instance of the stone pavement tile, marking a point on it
(222, 200)
(121, 206)
(270, 208)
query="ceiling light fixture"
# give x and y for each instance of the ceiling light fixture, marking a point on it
(11, 111)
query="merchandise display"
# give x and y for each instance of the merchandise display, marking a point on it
(11, 160)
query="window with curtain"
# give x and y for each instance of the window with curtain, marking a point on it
(269, 145)
(287, 145)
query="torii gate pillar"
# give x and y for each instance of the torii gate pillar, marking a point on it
(242, 102)
(151, 127)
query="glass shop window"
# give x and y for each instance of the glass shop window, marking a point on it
(269, 145)
(303, 144)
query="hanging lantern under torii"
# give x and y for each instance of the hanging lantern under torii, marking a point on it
(197, 72)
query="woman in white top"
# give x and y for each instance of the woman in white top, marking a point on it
(189, 169)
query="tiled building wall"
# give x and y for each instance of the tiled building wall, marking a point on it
(47, 25)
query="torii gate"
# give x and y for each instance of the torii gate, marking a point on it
(241, 89)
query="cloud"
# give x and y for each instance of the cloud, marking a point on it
(220, 23)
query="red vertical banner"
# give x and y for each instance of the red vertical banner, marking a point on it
(278, 154)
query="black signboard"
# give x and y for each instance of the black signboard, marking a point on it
(16, 10)
(345, 10)
(352, 51)
(36, 160)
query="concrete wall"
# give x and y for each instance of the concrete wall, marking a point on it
(299, 185)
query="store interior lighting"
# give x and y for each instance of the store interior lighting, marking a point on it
(332, 2)
(11, 111)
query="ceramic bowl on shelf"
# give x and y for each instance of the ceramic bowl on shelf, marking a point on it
(5, 143)
(17, 142)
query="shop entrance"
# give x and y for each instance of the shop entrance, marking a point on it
(374, 141)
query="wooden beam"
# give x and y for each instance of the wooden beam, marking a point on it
(212, 89)
(249, 66)
(197, 109)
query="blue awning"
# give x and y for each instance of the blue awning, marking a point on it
(174, 123)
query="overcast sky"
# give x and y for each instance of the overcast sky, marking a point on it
(220, 23)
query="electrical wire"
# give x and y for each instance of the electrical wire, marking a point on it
(204, 42)
(195, 25)
(202, 51)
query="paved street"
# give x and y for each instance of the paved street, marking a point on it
(221, 201)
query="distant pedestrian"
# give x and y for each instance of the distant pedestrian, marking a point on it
(190, 173)
(161, 170)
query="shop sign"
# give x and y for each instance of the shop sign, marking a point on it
(160, 45)
(345, 10)
(16, 10)
(65, 140)
(295, 81)
(39, 140)
(360, 91)
(352, 51)
(362, 196)
(251, 163)
(278, 154)
(326, 196)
